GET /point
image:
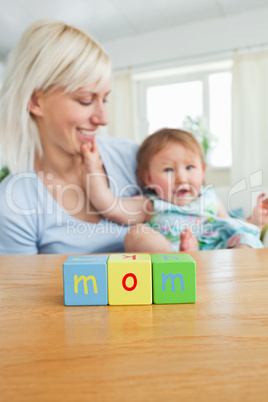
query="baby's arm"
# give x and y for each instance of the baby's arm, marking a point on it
(222, 213)
(259, 215)
(126, 211)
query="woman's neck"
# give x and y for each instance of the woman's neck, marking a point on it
(62, 166)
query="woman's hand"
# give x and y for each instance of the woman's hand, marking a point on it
(91, 157)
(259, 215)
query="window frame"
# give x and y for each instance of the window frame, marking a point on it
(169, 77)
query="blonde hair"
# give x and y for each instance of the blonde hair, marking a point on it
(160, 139)
(50, 55)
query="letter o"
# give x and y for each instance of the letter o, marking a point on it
(129, 289)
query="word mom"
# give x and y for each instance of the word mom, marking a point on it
(124, 279)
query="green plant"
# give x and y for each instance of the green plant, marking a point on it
(199, 128)
(3, 173)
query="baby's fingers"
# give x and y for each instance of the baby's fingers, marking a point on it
(85, 151)
(265, 202)
(260, 200)
(94, 145)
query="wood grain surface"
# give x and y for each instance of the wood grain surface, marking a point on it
(214, 350)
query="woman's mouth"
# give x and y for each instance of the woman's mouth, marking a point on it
(85, 134)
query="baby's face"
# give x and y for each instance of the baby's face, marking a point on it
(176, 174)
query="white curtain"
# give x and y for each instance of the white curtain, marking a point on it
(250, 119)
(121, 107)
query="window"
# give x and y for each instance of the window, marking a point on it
(164, 101)
(167, 105)
(220, 117)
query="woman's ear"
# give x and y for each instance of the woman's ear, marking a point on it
(35, 104)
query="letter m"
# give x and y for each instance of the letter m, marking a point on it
(172, 278)
(85, 280)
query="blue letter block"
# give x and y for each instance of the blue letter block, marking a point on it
(174, 278)
(85, 280)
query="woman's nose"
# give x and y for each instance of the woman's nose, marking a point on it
(100, 115)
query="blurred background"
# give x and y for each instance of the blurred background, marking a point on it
(199, 64)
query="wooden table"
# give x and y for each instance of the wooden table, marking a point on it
(214, 350)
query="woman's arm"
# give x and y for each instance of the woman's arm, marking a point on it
(126, 211)
(18, 215)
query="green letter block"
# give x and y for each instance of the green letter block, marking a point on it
(174, 278)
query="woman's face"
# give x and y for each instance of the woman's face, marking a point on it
(68, 120)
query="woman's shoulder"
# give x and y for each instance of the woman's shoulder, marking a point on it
(114, 146)
(21, 187)
(119, 159)
(19, 198)
(19, 195)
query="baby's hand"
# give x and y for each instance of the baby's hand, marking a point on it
(259, 215)
(92, 159)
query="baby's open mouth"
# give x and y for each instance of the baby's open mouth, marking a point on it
(181, 193)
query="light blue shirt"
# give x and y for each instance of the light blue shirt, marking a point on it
(32, 222)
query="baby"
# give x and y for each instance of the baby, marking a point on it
(180, 214)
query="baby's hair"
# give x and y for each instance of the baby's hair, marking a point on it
(160, 139)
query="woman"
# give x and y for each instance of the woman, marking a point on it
(53, 100)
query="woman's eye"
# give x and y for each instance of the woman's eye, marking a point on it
(168, 170)
(85, 103)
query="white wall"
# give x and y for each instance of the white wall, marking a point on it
(190, 41)
(201, 41)
(2, 67)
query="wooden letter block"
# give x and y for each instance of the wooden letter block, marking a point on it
(129, 279)
(174, 278)
(85, 280)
